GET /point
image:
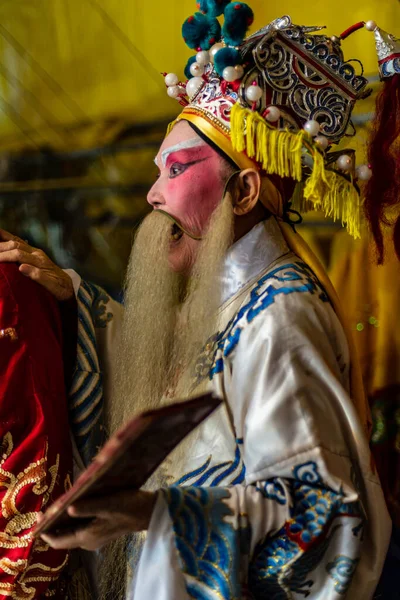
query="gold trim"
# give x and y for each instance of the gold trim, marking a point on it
(9, 332)
(218, 134)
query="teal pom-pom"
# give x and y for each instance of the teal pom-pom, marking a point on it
(201, 31)
(226, 57)
(191, 60)
(238, 18)
(213, 8)
(202, 6)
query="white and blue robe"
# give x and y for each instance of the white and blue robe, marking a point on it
(273, 496)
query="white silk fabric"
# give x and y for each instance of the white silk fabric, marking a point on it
(273, 496)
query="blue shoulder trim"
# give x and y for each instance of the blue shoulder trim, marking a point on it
(292, 278)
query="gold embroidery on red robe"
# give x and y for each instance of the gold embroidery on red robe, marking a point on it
(10, 332)
(18, 530)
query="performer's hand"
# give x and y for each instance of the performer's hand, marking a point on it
(114, 516)
(36, 265)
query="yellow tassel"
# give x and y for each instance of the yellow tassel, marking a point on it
(296, 155)
(335, 196)
(237, 129)
(279, 152)
(317, 183)
(342, 202)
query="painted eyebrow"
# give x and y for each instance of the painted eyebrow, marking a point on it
(192, 143)
(195, 162)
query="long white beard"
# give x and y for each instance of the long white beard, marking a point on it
(167, 320)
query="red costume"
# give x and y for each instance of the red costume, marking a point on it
(35, 449)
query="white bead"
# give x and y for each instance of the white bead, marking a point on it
(363, 173)
(173, 91)
(312, 127)
(322, 141)
(253, 93)
(193, 86)
(335, 39)
(229, 74)
(273, 114)
(171, 79)
(203, 57)
(344, 162)
(214, 49)
(239, 71)
(370, 25)
(196, 69)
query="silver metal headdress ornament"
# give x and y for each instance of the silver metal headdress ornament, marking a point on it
(305, 75)
(278, 100)
(387, 49)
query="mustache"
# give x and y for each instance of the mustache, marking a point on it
(175, 221)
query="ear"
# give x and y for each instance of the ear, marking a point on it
(248, 192)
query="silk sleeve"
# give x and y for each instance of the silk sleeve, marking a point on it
(99, 321)
(35, 457)
(297, 524)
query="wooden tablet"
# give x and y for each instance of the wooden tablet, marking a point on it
(129, 458)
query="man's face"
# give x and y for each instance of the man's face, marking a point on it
(189, 187)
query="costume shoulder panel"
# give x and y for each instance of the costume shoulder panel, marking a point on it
(281, 299)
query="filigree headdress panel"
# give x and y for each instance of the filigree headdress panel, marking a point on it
(306, 76)
(279, 100)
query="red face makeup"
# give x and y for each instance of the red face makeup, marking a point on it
(189, 188)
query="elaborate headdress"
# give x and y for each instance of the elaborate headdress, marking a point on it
(383, 189)
(278, 100)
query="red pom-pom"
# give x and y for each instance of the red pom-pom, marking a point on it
(233, 85)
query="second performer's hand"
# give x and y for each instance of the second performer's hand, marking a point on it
(36, 265)
(113, 516)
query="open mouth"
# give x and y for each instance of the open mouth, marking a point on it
(177, 229)
(176, 232)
